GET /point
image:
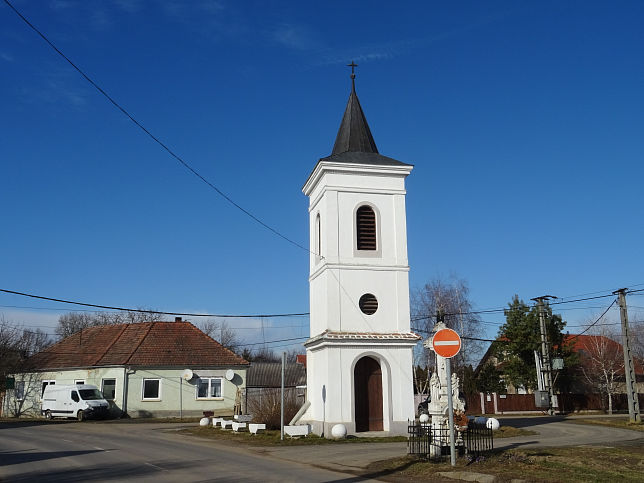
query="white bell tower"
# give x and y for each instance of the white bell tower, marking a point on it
(359, 356)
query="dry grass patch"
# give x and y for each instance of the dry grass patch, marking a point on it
(581, 463)
(272, 437)
(622, 423)
(510, 432)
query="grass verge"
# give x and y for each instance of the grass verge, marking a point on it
(272, 438)
(622, 423)
(580, 463)
(510, 432)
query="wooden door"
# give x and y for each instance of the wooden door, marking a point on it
(368, 395)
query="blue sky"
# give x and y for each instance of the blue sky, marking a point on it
(524, 121)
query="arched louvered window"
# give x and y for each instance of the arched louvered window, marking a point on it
(366, 228)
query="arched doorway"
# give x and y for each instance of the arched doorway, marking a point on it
(367, 383)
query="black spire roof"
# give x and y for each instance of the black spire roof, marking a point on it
(354, 142)
(354, 133)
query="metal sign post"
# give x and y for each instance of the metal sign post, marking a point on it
(447, 343)
(450, 413)
(282, 398)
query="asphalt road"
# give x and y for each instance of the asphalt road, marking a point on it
(560, 431)
(137, 452)
(153, 452)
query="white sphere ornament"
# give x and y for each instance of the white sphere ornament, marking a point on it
(204, 421)
(424, 418)
(493, 424)
(339, 431)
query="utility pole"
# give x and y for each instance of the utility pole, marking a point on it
(629, 368)
(545, 350)
(282, 397)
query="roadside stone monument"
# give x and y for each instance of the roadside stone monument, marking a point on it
(437, 407)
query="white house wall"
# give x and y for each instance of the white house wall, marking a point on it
(177, 395)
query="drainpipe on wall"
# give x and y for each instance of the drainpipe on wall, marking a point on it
(124, 405)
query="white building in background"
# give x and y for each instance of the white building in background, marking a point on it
(359, 356)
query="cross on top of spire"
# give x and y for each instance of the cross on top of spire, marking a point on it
(353, 66)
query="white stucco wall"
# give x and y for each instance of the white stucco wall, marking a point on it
(331, 369)
(177, 395)
(344, 274)
(340, 276)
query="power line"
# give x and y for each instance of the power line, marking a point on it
(580, 300)
(125, 309)
(269, 342)
(598, 319)
(152, 136)
(599, 291)
(528, 307)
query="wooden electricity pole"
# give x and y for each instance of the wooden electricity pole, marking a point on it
(629, 367)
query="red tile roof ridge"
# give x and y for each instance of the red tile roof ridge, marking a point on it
(151, 324)
(211, 338)
(125, 326)
(159, 343)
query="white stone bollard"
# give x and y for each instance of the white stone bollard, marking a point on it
(216, 421)
(301, 430)
(226, 424)
(204, 422)
(255, 428)
(339, 431)
(237, 426)
(493, 424)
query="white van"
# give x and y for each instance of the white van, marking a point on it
(79, 401)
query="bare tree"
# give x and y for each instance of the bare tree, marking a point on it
(72, 322)
(602, 363)
(17, 344)
(421, 379)
(636, 332)
(221, 332)
(451, 298)
(261, 354)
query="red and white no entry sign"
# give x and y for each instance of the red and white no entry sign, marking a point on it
(446, 343)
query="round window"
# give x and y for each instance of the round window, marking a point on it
(368, 304)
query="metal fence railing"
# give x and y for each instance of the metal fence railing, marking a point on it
(433, 442)
(478, 439)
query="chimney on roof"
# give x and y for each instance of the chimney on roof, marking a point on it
(177, 319)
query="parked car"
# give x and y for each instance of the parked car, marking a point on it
(81, 401)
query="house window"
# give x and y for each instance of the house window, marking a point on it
(44, 385)
(209, 388)
(20, 390)
(108, 388)
(366, 228)
(151, 389)
(79, 381)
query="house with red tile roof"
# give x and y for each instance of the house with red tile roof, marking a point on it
(148, 369)
(587, 389)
